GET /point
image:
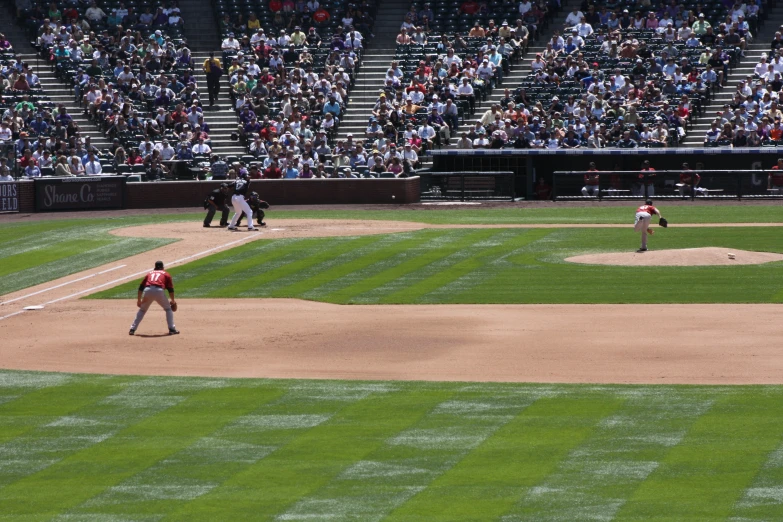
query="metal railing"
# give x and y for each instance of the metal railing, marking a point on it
(667, 184)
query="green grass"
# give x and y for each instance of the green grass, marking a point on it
(474, 215)
(481, 266)
(39, 251)
(78, 447)
(35, 252)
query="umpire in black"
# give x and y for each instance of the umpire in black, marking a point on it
(217, 200)
(257, 205)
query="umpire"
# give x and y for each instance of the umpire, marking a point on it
(257, 205)
(216, 200)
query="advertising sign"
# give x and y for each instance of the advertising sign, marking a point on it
(9, 197)
(79, 193)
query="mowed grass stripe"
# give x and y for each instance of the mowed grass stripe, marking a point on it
(282, 286)
(50, 403)
(68, 260)
(331, 270)
(303, 258)
(310, 461)
(409, 461)
(213, 459)
(432, 257)
(491, 479)
(597, 477)
(559, 214)
(438, 244)
(391, 250)
(280, 257)
(87, 473)
(398, 289)
(763, 500)
(463, 275)
(201, 274)
(247, 260)
(704, 476)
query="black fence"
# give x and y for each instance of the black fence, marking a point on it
(530, 165)
(465, 186)
(667, 184)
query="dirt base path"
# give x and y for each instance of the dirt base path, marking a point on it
(284, 338)
(685, 344)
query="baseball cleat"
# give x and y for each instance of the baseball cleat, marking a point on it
(132, 332)
(252, 229)
(223, 225)
(232, 228)
(173, 332)
(207, 226)
(642, 250)
(262, 224)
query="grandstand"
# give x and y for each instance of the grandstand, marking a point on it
(329, 83)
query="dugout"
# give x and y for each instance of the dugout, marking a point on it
(528, 165)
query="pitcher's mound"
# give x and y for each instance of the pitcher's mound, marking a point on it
(709, 256)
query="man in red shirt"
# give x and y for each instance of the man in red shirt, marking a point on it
(591, 182)
(642, 223)
(689, 181)
(647, 173)
(273, 171)
(153, 289)
(775, 179)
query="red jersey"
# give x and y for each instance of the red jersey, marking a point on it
(689, 177)
(321, 15)
(159, 278)
(776, 177)
(650, 209)
(650, 172)
(591, 179)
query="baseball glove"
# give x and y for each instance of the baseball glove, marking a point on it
(174, 307)
(263, 205)
(663, 223)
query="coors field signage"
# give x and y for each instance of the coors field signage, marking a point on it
(9, 197)
(79, 193)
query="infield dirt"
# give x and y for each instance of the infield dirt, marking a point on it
(705, 344)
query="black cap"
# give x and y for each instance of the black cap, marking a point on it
(648, 202)
(158, 265)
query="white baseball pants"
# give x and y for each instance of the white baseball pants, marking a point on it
(641, 224)
(240, 205)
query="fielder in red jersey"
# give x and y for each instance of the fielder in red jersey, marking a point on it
(153, 289)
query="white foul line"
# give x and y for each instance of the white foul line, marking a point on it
(93, 288)
(61, 285)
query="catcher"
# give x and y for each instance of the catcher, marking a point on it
(642, 223)
(153, 288)
(257, 205)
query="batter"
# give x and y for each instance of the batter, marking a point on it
(239, 201)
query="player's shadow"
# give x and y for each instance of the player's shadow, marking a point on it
(153, 335)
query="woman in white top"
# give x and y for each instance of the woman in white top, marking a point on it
(76, 167)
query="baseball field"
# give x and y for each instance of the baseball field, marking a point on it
(397, 364)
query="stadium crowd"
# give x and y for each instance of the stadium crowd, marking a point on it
(290, 74)
(753, 117)
(616, 79)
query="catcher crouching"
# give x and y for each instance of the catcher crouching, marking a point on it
(257, 205)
